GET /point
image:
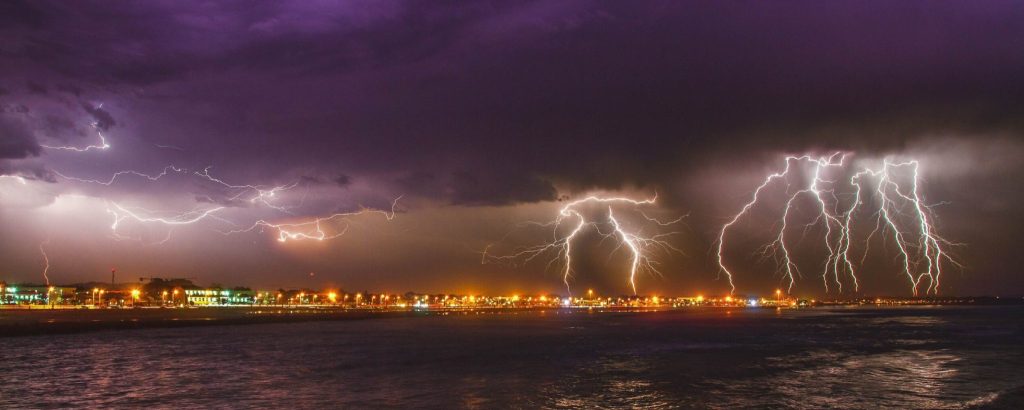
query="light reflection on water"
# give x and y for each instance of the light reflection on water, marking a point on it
(903, 358)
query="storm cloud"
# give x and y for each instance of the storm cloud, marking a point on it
(501, 104)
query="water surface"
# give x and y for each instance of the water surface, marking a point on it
(924, 357)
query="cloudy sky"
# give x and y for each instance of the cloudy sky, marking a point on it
(483, 116)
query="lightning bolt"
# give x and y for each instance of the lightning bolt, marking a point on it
(640, 246)
(103, 145)
(118, 174)
(260, 194)
(310, 229)
(928, 249)
(837, 224)
(46, 261)
(121, 213)
(314, 229)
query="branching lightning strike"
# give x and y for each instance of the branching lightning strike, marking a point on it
(260, 194)
(639, 245)
(311, 229)
(837, 222)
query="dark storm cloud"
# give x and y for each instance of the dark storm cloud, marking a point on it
(576, 94)
(14, 108)
(30, 171)
(482, 189)
(103, 119)
(35, 88)
(492, 103)
(70, 89)
(58, 127)
(16, 141)
(342, 180)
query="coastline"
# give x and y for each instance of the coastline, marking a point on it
(33, 322)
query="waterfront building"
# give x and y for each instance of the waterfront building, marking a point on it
(28, 294)
(219, 297)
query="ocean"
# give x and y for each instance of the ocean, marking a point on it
(858, 357)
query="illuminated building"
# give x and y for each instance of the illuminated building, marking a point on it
(219, 297)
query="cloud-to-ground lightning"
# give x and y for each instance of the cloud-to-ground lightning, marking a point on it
(836, 218)
(927, 250)
(46, 261)
(639, 245)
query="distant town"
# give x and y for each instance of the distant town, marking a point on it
(182, 293)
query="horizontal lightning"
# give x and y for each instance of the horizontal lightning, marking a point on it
(314, 228)
(103, 145)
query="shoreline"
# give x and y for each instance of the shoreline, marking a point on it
(35, 322)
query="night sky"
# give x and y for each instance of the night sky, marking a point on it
(484, 115)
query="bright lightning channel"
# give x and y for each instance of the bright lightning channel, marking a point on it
(118, 174)
(837, 224)
(103, 145)
(261, 194)
(121, 213)
(640, 247)
(314, 229)
(46, 261)
(311, 229)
